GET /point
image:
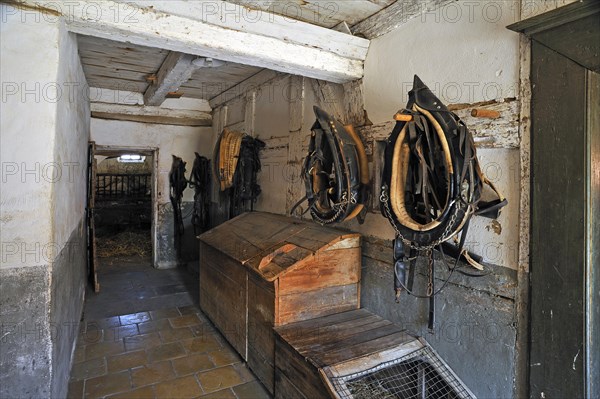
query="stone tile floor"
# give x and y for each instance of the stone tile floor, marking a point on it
(162, 347)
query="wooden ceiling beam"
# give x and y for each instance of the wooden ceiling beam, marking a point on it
(125, 22)
(175, 71)
(149, 114)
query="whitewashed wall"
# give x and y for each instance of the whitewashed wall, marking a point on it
(28, 123)
(465, 54)
(70, 146)
(45, 129)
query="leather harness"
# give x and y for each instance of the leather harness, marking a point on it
(236, 163)
(431, 186)
(178, 183)
(335, 172)
(200, 182)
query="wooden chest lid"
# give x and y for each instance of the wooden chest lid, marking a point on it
(271, 244)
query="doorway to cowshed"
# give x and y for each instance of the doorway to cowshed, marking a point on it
(121, 206)
(124, 205)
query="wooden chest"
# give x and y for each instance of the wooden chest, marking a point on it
(261, 270)
(310, 352)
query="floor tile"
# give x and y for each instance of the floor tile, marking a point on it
(151, 374)
(217, 379)
(192, 309)
(102, 349)
(224, 357)
(192, 364)
(206, 343)
(135, 344)
(118, 333)
(244, 372)
(140, 393)
(154, 325)
(142, 341)
(168, 351)
(75, 390)
(175, 334)
(185, 387)
(89, 369)
(223, 394)
(184, 321)
(79, 354)
(126, 361)
(134, 318)
(164, 313)
(251, 390)
(107, 384)
(101, 324)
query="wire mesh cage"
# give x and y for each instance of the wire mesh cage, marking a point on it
(421, 374)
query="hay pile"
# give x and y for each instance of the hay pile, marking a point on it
(126, 243)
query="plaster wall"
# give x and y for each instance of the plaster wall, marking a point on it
(464, 53)
(69, 198)
(181, 141)
(28, 122)
(45, 128)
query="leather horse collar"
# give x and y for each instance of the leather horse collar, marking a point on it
(335, 172)
(431, 186)
(432, 182)
(225, 157)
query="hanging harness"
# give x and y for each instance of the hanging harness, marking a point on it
(335, 172)
(236, 161)
(178, 184)
(200, 182)
(431, 186)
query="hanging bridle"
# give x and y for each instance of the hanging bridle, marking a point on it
(335, 172)
(431, 184)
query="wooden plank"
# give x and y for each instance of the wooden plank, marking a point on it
(350, 338)
(174, 71)
(557, 254)
(223, 296)
(261, 78)
(335, 336)
(261, 337)
(312, 304)
(262, 367)
(304, 375)
(326, 269)
(329, 97)
(373, 359)
(361, 349)
(250, 113)
(265, 23)
(285, 389)
(502, 132)
(149, 114)
(326, 14)
(186, 35)
(394, 16)
(293, 330)
(354, 104)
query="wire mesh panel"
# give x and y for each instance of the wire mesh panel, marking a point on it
(417, 375)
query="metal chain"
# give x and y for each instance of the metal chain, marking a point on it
(341, 208)
(429, 254)
(447, 234)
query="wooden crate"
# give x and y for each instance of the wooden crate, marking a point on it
(309, 352)
(262, 270)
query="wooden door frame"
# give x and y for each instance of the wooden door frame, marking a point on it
(112, 150)
(543, 30)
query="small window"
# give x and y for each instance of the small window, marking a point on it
(132, 158)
